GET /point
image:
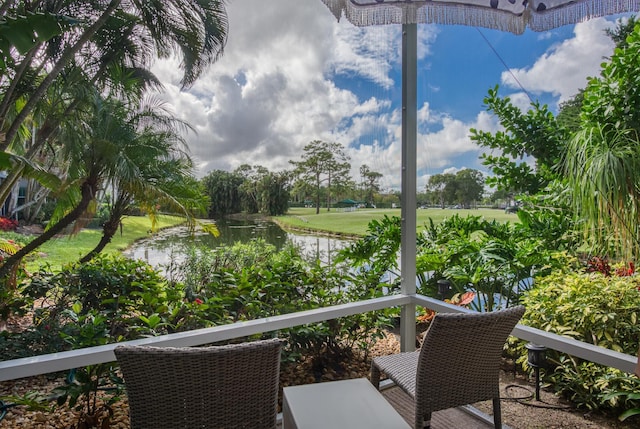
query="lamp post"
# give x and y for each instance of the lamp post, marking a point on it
(536, 359)
(444, 286)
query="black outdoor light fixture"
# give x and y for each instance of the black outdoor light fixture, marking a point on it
(536, 359)
(443, 287)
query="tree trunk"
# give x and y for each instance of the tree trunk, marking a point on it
(40, 198)
(318, 193)
(88, 193)
(9, 96)
(329, 192)
(109, 229)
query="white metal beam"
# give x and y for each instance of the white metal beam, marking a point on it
(408, 202)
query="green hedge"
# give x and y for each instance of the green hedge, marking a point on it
(596, 309)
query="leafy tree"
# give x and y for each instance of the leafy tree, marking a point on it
(275, 193)
(569, 114)
(603, 158)
(250, 187)
(500, 196)
(532, 134)
(223, 189)
(263, 191)
(441, 186)
(370, 182)
(469, 186)
(323, 163)
(622, 30)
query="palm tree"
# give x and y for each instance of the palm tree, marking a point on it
(153, 175)
(602, 162)
(603, 168)
(116, 146)
(194, 29)
(111, 53)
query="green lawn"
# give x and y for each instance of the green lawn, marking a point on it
(355, 223)
(62, 250)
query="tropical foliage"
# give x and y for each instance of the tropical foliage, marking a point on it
(496, 261)
(111, 299)
(534, 133)
(596, 309)
(56, 58)
(603, 158)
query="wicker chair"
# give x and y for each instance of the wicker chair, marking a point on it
(232, 386)
(458, 363)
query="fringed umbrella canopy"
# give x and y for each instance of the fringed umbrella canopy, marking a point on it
(506, 15)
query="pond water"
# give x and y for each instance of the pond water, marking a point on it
(171, 244)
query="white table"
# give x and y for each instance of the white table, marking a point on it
(345, 404)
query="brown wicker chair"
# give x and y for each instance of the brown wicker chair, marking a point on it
(232, 386)
(458, 363)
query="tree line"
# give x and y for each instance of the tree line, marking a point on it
(321, 179)
(322, 175)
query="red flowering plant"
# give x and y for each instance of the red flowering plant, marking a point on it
(628, 269)
(623, 269)
(7, 224)
(597, 264)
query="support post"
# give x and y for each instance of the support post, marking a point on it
(409, 173)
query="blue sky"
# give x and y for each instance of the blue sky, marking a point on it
(291, 74)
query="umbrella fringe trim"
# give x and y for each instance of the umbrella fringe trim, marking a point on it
(427, 12)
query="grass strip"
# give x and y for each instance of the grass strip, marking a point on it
(62, 250)
(354, 223)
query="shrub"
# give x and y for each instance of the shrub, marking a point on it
(597, 309)
(126, 294)
(7, 224)
(253, 280)
(11, 300)
(494, 260)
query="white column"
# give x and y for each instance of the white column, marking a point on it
(408, 210)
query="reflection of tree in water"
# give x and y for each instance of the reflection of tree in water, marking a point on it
(322, 247)
(168, 245)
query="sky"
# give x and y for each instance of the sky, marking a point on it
(291, 73)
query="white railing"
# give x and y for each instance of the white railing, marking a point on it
(44, 364)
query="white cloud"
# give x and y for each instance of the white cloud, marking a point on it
(278, 87)
(436, 151)
(563, 69)
(521, 100)
(274, 89)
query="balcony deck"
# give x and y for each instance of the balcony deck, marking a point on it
(452, 418)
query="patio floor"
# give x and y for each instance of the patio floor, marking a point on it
(445, 419)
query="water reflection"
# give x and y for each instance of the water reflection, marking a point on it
(170, 245)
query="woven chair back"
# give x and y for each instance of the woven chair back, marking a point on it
(231, 386)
